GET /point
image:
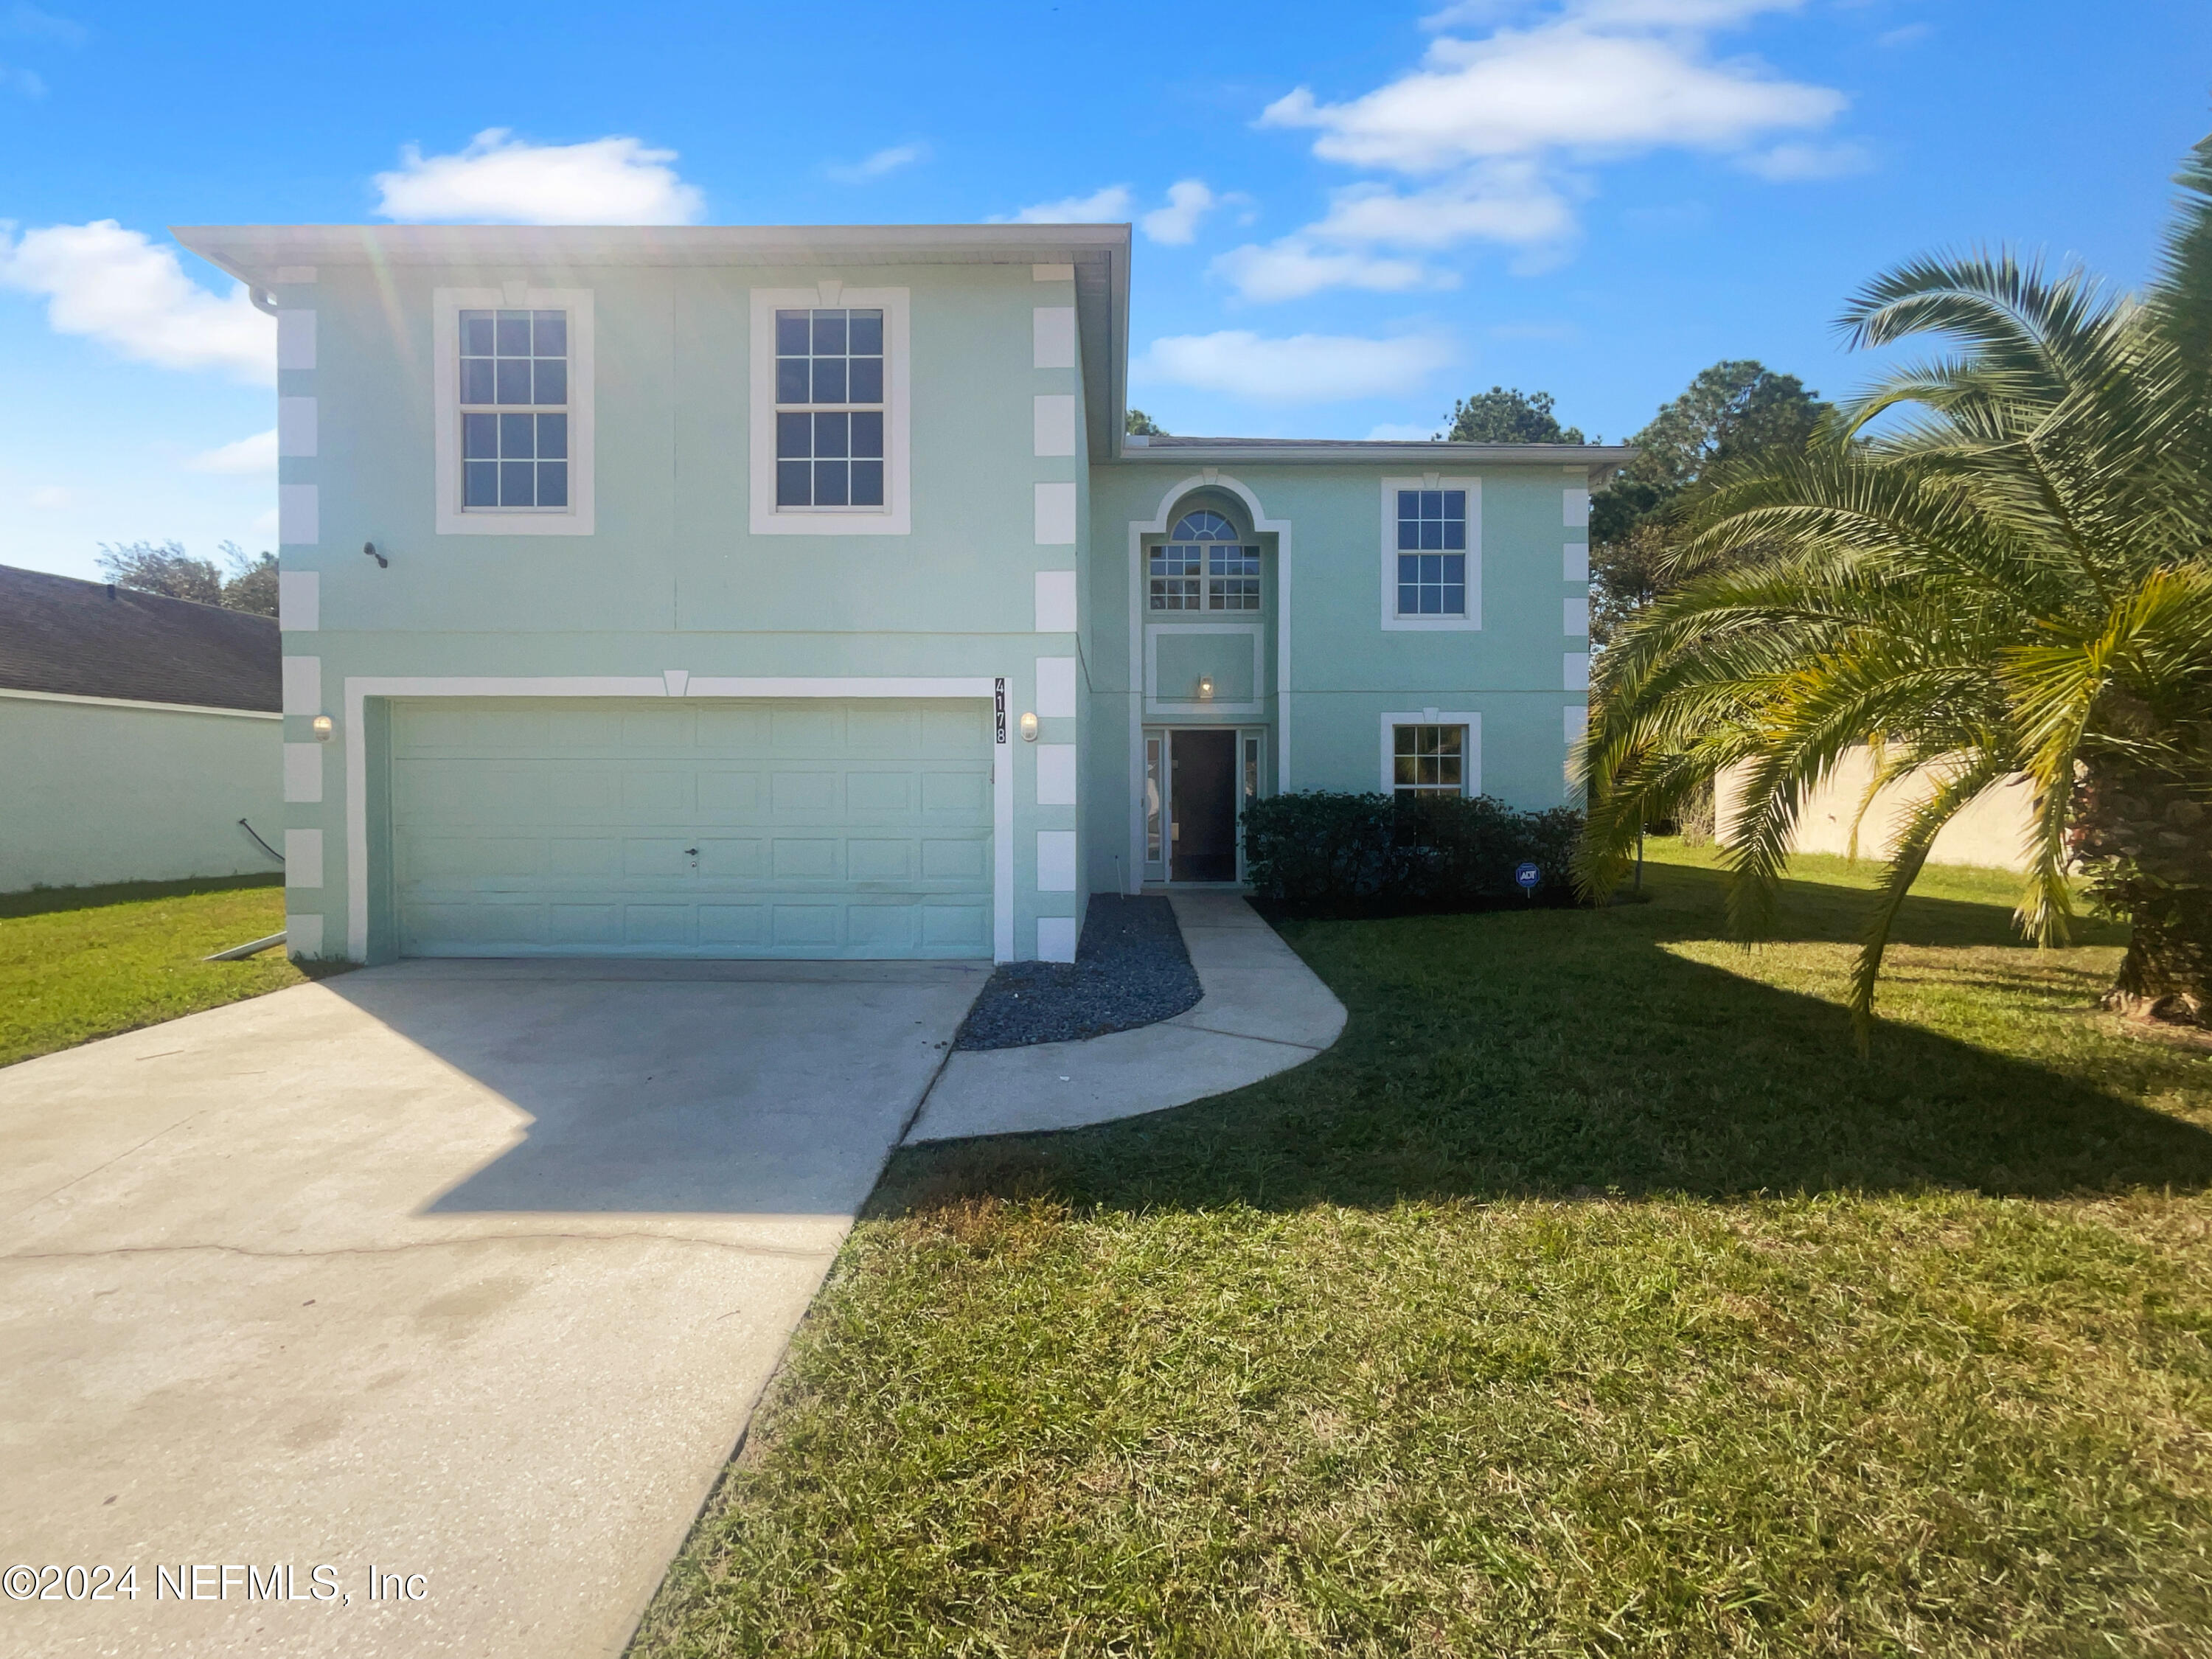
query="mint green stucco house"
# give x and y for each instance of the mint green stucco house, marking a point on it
(732, 592)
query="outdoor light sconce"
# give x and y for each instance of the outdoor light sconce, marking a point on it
(1206, 687)
(369, 548)
(1028, 728)
(322, 726)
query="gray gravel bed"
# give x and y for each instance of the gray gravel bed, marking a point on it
(1130, 969)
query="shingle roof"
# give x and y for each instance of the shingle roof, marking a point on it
(90, 640)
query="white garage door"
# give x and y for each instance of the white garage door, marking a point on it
(808, 828)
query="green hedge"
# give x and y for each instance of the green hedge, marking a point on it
(1327, 854)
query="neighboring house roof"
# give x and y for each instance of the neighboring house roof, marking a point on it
(95, 640)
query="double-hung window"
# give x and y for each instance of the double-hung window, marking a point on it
(1431, 570)
(1203, 565)
(1431, 552)
(829, 409)
(1429, 760)
(514, 410)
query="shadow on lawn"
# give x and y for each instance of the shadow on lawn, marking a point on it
(1569, 1053)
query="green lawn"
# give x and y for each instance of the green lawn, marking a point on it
(80, 962)
(1592, 1296)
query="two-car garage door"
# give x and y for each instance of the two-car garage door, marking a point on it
(811, 828)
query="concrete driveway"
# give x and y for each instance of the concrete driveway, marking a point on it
(465, 1272)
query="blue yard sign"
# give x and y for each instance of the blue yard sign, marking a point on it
(1527, 875)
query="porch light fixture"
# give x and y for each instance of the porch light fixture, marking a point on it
(323, 725)
(1028, 728)
(1206, 687)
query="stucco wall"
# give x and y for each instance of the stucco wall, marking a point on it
(1520, 672)
(673, 577)
(1992, 831)
(98, 792)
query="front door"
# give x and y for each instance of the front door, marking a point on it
(1203, 805)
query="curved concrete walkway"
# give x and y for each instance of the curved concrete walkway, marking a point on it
(1263, 1011)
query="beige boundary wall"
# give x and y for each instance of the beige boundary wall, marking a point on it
(1992, 831)
(97, 789)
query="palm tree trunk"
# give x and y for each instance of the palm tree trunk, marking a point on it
(2145, 840)
(2166, 974)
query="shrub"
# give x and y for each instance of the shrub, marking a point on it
(1324, 852)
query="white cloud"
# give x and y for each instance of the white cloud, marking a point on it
(1398, 432)
(264, 524)
(247, 455)
(1292, 268)
(1302, 368)
(1560, 87)
(1792, 163)
(1506, 124)
(29, 22)
(106, 283)
(49, 498)
(1189, 201)
(501, 179)
(1107, 206)
(1504, 202)
(876, 166)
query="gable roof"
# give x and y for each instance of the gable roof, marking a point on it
(95, 640)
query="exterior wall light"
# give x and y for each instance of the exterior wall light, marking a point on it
(1028, 728)
(1206, 687)
(323, 725)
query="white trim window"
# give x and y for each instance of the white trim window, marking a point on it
(1432, 752)
(1203, 564)
(1431, 553)
(829, 411)
(513, 411)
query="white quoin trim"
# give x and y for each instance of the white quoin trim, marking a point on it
(1211, 478)
(360, 689)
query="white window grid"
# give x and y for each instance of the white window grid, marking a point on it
(831, 366)
(513, 397)
(1204, 564)
(1429, 760)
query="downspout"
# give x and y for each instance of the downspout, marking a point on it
(262, 298)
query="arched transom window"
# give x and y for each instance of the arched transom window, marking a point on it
(1203, 565)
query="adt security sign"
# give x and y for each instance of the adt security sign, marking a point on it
(1527, 875)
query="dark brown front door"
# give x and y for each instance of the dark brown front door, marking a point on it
(1204, 800)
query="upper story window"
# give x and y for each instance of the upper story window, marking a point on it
(1431, 558)
(1431, 552)
(513, 417)
(514, 410)
(1203, 565)
(830, 408)
(830, 411)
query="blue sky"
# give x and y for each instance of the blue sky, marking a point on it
(1348, 215)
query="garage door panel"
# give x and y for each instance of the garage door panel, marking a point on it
(658, 797)
(729, 796)
(806, 729)
(570, 855)
(880, 794)
(960, 797)
(739, 729)
(570, 827)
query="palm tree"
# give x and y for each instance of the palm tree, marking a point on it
(2011, 574)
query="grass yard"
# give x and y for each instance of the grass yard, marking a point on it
(1592, 1296)
(80, 962)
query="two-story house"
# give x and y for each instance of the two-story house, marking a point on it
(731, 592)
